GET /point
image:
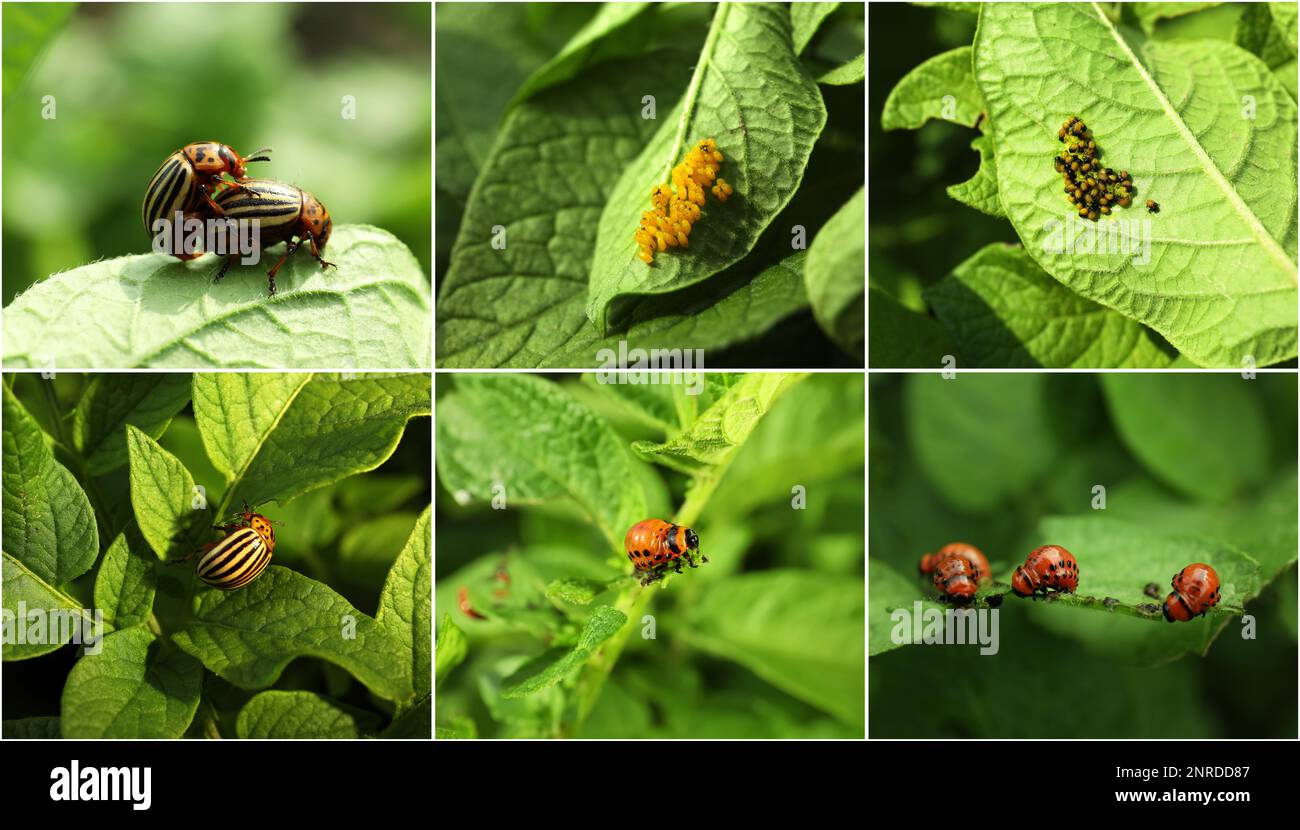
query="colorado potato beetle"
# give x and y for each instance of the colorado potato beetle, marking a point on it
(654, 546)
(956, 578)
(1049, 567)
(978, 561)
(283, 213)
(1196, 591)
(187, 178)
(241, 556)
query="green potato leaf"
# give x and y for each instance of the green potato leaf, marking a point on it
(974, 468)
(1117, 559)
(277, 436)
(136, 687)
(48, 523)
(749, 92)
(805, 20)
(1004, 311)
(1205, 436)
(1204, 129)
(710, 441)
(833, 275)
(850, 72)
(942, 88)
(172, 515)
(891, 591)
(406, 603)
(980, 191)
(799, 630)
(277, 714)
(904, 339)
(533, 439)
(127, 580)
(152, 310)
(450, 649)
(555, 665)
(248, 636)
(23, 589)
(146, 401)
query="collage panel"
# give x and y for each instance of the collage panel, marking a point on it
(217, 555)
(1083, 185)
(649, 185)
(646, 555)
(1083, 556)
(217, 185)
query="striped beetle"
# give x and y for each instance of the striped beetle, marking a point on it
(185, 181)
(238, 559)
(283, 212)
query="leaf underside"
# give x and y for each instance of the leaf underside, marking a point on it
(1219, 281)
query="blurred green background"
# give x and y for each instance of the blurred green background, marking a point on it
(133, 82)
(984, 457)
(346, 535)
(736, 638)
(918, 233)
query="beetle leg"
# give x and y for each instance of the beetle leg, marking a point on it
(315, 251)
(270, 275)
(187, 557)
(207, 197)
(234, 185)
(225, 266)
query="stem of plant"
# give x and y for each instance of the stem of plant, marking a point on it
(1100, 604)
(633, 602)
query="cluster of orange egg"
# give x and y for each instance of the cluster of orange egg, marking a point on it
(674, 210)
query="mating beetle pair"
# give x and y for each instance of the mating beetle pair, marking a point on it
(190, 181)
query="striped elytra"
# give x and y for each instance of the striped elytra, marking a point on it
(282, 212)
(185, 180)
(236, 560)
(655, 546)
(275, 204)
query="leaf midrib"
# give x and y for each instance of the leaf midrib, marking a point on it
(238, 478)
(693, 90)
(1261, 234)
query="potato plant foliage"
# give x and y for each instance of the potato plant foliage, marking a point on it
(549, 147)
(1196, 104)
(110, 480)
(1138, 476)
(544, 630)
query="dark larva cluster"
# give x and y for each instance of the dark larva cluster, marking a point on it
(1093, 189)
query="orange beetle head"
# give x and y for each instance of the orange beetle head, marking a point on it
(215, 158)
(260, 524)
(1175, 610)
(317, 219)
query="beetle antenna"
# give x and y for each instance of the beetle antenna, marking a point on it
(257, 155)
